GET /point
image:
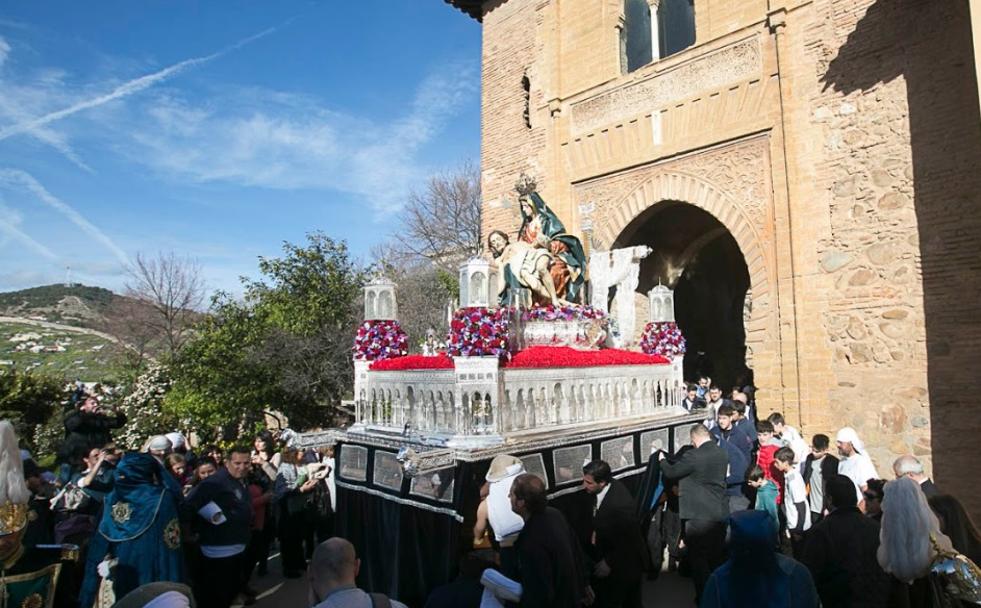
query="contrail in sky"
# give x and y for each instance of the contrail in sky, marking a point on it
(18, 177)
(124, 90)
(8, 225)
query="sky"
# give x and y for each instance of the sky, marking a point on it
(218, 130)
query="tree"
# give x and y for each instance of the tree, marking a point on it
(442, 222)
(143, 406)
(28, 400)
(133, 324)
(173, 289)
(286, 347)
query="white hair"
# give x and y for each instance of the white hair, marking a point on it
(13, 488)
(906, 465)
(908, 523)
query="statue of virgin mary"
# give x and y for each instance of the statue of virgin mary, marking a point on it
(541, 228)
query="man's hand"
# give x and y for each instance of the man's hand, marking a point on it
(661, 456)
(602, 570)
(590, 596)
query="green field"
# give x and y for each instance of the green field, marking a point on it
(86, 357)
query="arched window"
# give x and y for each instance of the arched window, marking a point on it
(635, 37)
(675, 26)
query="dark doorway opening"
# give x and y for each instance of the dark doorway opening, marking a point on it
(694, 254)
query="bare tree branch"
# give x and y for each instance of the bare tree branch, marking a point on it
(173, 288)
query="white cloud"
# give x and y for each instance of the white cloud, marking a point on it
(16, 177)
(126, 89)
(4, 51)
(285, 141)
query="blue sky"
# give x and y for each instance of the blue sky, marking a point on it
(220, 129)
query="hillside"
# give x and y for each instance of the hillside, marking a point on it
(78, 305)
(71, 353)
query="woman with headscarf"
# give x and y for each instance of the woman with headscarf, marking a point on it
(139, 536)
(928, 572)
(755, 574)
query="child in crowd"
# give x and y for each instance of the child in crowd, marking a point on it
(766, 495)
(767, 447)
(795, 508)
(789, 436)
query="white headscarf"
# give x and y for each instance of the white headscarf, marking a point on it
(848, 435)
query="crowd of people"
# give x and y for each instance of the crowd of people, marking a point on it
(755, 517)
(197, 525)
(750, 511)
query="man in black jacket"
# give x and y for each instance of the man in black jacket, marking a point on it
(549, 562)
(841, 551)
(222, 507)
(703, 506)
(618, 547)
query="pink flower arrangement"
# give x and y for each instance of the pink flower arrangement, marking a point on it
(662, 338)
(477, 332)
(561, 313)
(378, 340)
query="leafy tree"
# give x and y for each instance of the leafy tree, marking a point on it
(285, 347)
(29, 399)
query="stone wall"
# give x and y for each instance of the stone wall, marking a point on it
(894, 117)
(851, 129)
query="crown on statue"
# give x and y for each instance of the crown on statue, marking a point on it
(525, 185)
(13, 517)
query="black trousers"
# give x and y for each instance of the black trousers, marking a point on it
(613, 592)
(706, 550)
(219, 580)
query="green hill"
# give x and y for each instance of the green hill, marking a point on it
(78, 305)
(62, 352)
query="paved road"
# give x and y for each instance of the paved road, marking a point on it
(669, 591)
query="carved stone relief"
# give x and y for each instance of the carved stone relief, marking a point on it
(734, 63)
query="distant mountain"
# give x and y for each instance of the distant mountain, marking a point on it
(78, 305)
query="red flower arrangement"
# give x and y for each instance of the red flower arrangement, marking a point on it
(377, 340)
(478, 332)
(562, 313)
(412, 362)
(564, 356)
(662, 338)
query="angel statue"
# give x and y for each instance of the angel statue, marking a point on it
(541, 228)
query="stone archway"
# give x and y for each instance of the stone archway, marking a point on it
(706, 228)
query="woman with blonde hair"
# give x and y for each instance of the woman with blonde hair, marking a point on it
(918, 555)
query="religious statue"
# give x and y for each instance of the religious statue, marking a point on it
(523, 265)
(541, 228)
(544, 258)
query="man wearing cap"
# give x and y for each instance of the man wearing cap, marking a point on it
(29, 576)
(855, 464)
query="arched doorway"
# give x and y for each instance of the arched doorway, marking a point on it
(697, 256)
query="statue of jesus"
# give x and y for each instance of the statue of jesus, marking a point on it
(523, 265)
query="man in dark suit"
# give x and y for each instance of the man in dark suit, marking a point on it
(703, 505)
(618, 547)
(549, 563)
(910, 466)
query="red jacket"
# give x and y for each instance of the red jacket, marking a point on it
(764, 459)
